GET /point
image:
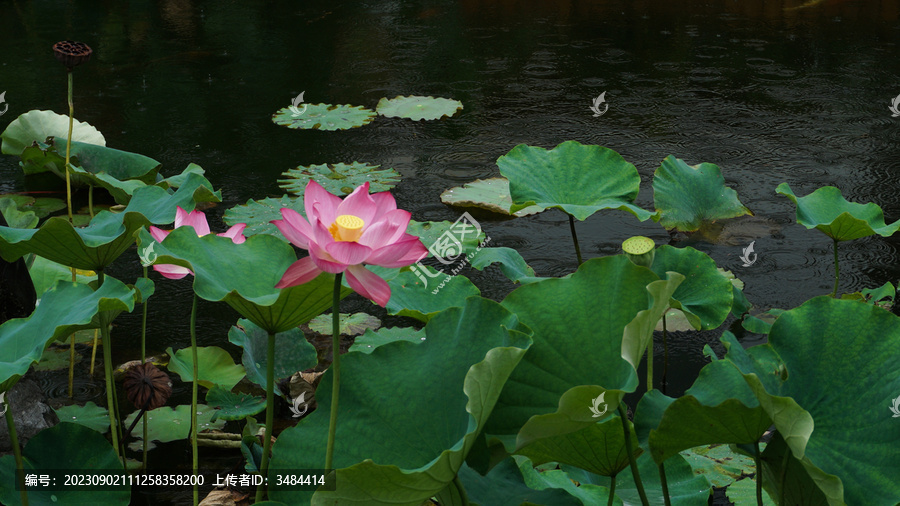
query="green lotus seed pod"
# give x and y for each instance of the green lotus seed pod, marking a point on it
(640, 250)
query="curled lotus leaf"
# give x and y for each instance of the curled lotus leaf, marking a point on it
(828, 211)
(491, 194)
(418, 108)
(325, 117)
(339, 178)
(37, 126)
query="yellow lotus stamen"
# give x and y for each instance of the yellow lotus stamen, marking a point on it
(347, 228)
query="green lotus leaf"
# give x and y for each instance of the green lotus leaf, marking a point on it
(491, 194)
(719, 464)
(511, 264)
(45, 273)
(36, 126)
(66, 447)
(577, 435)
(423, 293)
(14, 217)
(743, 493)
(801, 488)
(578, 321)
(367, 342)
(178, 180)
(40, 207)
(258, 214)
(64, 309)
(54, 359)
(514, 482)
(706, 296)
(90, 415)
(349, 324)
(165, 424)
(295, 353)
(639, 332)
(811, 406)
(459, 371)
(685, 488)
(233, 406)
(826, 210)
(448, 239)
(339, 178)
(244, 276)
(418, 108)
(688, 196)
(325, 117)
(579, 179)
(214, 366)
(110, 168)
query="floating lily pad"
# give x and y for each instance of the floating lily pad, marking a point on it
(54, 359)
(166, 424)
(36, 126)
(325, 117)
(719, 464)
(234, 406)
(339, 178)
(367, 342)
(90, 415)
(350, 324)
(688, 196)
(826, 210)
(576, 178)
(214, 366)
(491, 194)
(258, 213)
(418, 108)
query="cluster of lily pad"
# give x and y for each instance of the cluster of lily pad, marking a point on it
(521, 400)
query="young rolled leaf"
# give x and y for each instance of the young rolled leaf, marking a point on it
(826, 210)
(576, 178)
(688, 196)
(459, 371)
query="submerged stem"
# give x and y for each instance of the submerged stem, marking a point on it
(14, 441)
(575, 239)
(270, 412)
(194, 456)
(335, 369)
(629, 448)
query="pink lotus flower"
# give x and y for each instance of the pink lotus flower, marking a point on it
(343, 235)
(197, 220)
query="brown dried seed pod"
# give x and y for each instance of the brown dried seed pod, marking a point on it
(71, 53)
(147, 387)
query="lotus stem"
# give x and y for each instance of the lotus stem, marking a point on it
(270, 413)
(628, 448)
(463, 496)
(110, 381)
(759, 498)
(650, 364)
(72, 365)
(575, 239)
(143, 359)
(94, 351)
(335, 369)
(14, 441)
(783, 480)
(91, 201)
(666, 356)
(837, 270)
(612, 490)
(665, 484)
(69, 149)
(194, 456)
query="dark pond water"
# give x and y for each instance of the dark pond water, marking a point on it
(769, 92)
